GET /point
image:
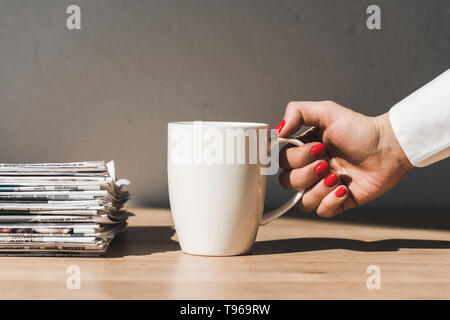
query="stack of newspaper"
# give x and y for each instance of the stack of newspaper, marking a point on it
(60, 209)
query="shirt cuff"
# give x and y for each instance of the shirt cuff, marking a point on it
(421, 122)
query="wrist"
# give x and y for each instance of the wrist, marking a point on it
(388, 143)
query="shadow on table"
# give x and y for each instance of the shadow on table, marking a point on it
(417, 218)
(315, 244)
(138, 241)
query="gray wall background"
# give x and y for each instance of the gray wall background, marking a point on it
(108, 90)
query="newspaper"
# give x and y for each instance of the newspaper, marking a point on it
(113, 218)
(60, 209)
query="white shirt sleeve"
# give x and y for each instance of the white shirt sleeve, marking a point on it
(421, 122)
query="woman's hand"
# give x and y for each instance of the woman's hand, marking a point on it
(348, 158)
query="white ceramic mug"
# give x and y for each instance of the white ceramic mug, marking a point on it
(217, 205)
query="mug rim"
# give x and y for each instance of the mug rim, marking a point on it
(220, 124)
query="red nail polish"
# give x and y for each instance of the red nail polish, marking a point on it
(340, 192)
(321, 169)
(330, 180)
(318, 150)
(279, 127)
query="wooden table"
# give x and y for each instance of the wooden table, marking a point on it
(296, 257)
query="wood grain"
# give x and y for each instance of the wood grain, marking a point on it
(294, 258)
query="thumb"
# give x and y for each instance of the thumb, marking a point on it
(310, 113)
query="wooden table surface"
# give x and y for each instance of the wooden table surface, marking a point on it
(295, 257)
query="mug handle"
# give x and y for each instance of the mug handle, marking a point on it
(272, 215)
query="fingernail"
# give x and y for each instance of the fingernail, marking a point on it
(321, 169)
(279, 127)
(340, 192)
(330, 180)
(318, 150)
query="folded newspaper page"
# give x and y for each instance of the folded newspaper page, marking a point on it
(60, 209)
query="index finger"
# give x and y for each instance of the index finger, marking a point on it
(299, 113)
